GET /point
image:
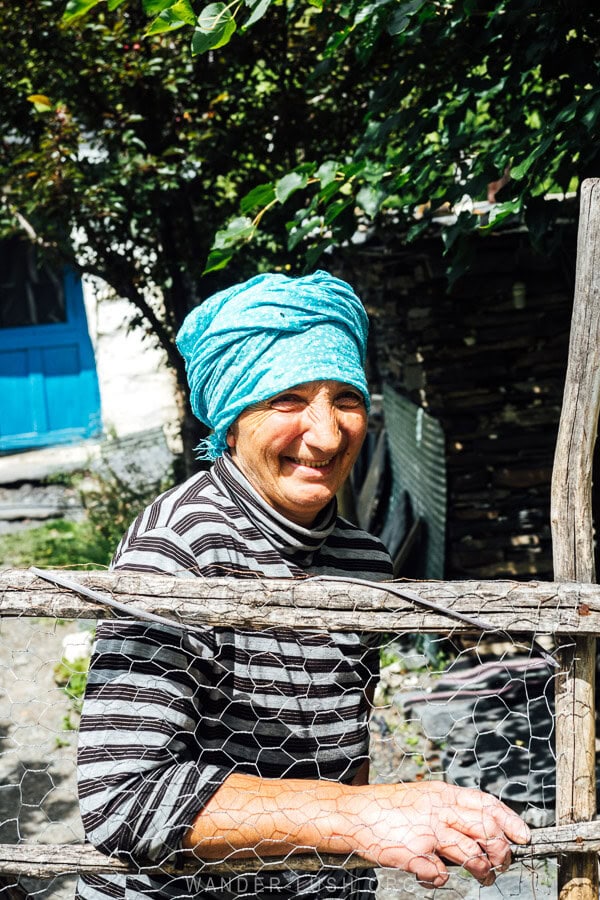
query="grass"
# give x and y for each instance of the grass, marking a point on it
(56, 543)
(72, 678)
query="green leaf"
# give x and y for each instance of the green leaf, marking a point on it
(327, 172)
(353, 169)
(336, 40)
(454, 234)
(418, 228)
(41, 102)
(502, 211)
(299, 233)
(260, 196)
(289, 184)
(217, 259)
(318, 4)
(337, 208)
(227, 241)
(238, 231)
(202, 41)
(77, 8)
(259, 8)
(400, 20)
(518, 172)
(369, 199)
(183, 8)
(176, 16)
(212, 16)
(331, 189)
(215, 27)
(114, 4)
(366, 11)
(226, 36)
(314, 253)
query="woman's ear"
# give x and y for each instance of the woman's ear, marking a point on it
(230, 439)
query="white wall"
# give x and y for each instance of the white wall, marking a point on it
(137, 389)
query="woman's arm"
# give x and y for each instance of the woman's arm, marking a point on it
(408, 826)
(139, 777)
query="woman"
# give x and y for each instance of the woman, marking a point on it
(240, 742)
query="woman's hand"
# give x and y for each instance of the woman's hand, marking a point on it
(416, 827)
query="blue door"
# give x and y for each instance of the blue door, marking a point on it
(48, 383)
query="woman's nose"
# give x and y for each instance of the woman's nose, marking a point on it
(323, 427)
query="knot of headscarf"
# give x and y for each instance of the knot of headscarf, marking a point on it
(256, 339)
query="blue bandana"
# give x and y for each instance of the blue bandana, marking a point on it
(259, 338)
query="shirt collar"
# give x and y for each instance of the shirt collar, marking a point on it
(296, 543)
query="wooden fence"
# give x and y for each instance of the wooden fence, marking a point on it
(567, 609)
(570, 612)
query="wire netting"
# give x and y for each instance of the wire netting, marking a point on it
(474, 711)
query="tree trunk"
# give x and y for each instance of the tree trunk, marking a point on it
(192, 431)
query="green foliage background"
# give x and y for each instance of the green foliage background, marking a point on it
(465, 92)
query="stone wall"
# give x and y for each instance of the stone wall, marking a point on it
(487, 359)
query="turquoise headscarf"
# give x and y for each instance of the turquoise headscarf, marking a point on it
(270, 333)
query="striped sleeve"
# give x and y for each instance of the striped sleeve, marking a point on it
(141, 782)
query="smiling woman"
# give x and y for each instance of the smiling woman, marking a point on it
(231, 742)
(298, 447)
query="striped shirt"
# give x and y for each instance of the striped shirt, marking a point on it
(170, 714)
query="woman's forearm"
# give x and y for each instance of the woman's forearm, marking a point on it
(409, 826)
(250, 815)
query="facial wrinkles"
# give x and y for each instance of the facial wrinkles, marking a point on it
(323, 433)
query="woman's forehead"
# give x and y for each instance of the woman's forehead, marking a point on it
(322, 385)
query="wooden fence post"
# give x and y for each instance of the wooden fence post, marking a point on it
(573, 548)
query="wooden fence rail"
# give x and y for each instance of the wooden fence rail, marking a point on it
(518, 608)
(50, 860)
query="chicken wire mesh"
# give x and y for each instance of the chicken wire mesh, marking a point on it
(476, 711)
(38, 721)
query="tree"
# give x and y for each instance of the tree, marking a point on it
(122, 155)
(494, 99)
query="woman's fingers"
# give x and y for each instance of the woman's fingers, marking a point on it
(428, 869)
(486, 821)
(478, 808)
(456, 847)
(424, 851)
(512, 825)
(416, 854)
(481, 827)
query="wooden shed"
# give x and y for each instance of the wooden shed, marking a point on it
(486, 359)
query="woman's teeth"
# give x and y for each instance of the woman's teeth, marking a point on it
(311, 463)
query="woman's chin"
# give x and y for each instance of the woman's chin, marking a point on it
(303, 506)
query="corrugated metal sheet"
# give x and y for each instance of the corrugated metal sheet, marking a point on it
(417, 453)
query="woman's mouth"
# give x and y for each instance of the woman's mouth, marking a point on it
(311, 463)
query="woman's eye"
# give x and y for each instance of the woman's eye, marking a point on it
(350, 400)
(287, 402)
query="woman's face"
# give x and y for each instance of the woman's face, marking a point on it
(298, 447)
